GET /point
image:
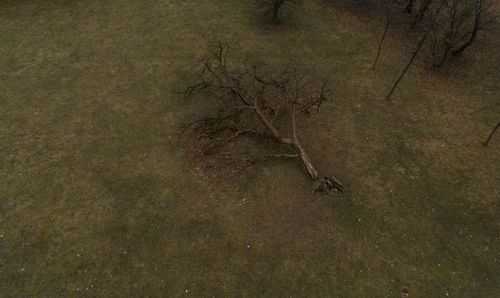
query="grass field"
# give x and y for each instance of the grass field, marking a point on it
(98, 198)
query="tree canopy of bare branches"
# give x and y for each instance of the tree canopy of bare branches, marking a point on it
(453, 24)
(252, 100)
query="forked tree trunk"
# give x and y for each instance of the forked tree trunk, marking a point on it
(292, 142)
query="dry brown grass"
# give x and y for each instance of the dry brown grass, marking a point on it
(98, 198)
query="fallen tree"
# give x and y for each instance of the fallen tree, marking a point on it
(252, 100)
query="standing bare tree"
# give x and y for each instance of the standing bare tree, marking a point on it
(275, 8)
(252, 100)
(453, 24)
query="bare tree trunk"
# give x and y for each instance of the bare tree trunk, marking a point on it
(443, 58)
(477, 23)
(313, 173)
(382, 39)
(408, 65)
(409, 6)
(298, 148)
(491, 134)
(450, 35)
(276, 19)
(276, 8)
(293, 142)
(421, 12)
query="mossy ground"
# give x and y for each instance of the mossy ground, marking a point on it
(97, 198)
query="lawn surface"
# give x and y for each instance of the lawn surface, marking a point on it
(98, 198)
